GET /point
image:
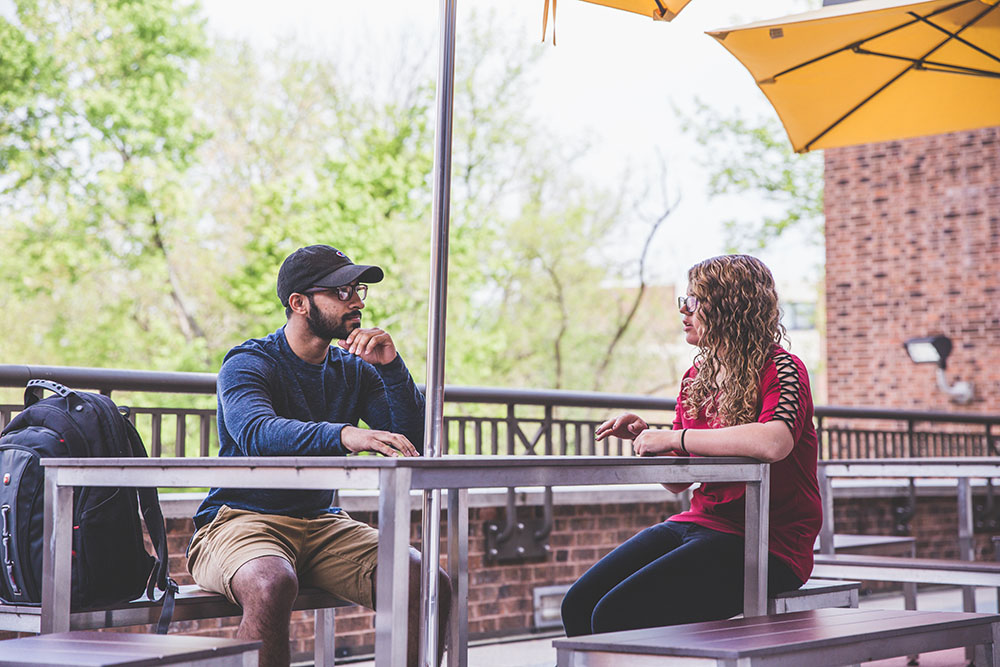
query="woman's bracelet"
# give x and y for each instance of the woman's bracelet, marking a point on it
(683, 448)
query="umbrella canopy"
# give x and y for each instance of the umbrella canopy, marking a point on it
(658, 10)
(661, 10)
(876, 70)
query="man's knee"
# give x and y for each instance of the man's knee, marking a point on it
(444, 581)
(269, 581)
(444, 586)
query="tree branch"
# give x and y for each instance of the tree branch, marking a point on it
(625, 323)
(188, 324)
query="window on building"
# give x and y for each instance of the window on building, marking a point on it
(799, 315)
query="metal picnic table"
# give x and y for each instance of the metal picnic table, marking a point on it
(395, 478)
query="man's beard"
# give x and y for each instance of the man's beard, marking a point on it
(329, 328)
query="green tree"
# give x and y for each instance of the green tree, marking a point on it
(755, 157)
(527, 293)
(154, 181)
(96, 135)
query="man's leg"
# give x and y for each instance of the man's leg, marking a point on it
(444, 610)
(342, 559)
(249, 558)
(266, 588)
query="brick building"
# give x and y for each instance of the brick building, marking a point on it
(913, 249)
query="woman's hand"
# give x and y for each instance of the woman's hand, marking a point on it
(657, 443)
(626, 426)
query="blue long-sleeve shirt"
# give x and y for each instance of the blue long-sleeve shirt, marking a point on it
(272, 403)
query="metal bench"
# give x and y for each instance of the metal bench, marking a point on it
(815, 594)
(901, 544)
(825, 637)
(917, 570)
(912, 571)
(191, 603)
(996, 556)
(104, 649)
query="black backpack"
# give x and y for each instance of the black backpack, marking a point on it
(110, 562)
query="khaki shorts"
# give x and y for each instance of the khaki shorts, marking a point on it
(332, 552)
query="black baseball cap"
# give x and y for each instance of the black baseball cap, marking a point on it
(321, 266)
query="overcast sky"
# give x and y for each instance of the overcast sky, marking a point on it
(613, 77)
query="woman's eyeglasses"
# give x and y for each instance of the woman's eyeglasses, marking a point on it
(688, 303)
(344, 292)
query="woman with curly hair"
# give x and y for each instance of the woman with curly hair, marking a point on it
(745, 395)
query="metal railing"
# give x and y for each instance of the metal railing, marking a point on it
(517, 421)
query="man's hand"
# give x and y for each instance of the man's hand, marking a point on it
(356, 439)
(626, 426)
(372, 345)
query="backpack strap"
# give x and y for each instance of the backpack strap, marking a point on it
(149, 505)
(33, 392)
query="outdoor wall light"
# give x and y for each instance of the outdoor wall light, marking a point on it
(935, 350)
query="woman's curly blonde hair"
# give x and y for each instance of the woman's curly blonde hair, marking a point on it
(738, 305)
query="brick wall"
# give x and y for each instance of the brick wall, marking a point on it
(501, 596)
(913, 249)
(934, 524)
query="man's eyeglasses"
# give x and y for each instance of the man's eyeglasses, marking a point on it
(688, 303)
(344, 292)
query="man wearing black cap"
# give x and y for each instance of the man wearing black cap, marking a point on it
(294, 394)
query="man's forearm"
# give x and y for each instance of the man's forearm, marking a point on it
(277, 436)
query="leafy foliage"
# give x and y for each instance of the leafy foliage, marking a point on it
(754, 156)
(153, 181)
(97, 138)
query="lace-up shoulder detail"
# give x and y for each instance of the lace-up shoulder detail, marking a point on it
(790, 386)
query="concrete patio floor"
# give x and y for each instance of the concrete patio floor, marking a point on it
(534, 651)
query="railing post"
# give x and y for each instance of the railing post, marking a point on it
(155, 444)
(826, 498)
(205, 435)
(548, 430)
(462, 424)
(910, 438)
(511, 427)
(180, 435)
(820, 438)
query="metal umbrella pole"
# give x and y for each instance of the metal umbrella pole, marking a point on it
(434, 433)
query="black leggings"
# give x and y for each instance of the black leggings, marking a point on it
(668, 574)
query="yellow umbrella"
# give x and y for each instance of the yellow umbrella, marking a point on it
(876, 70)
(658, 10)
